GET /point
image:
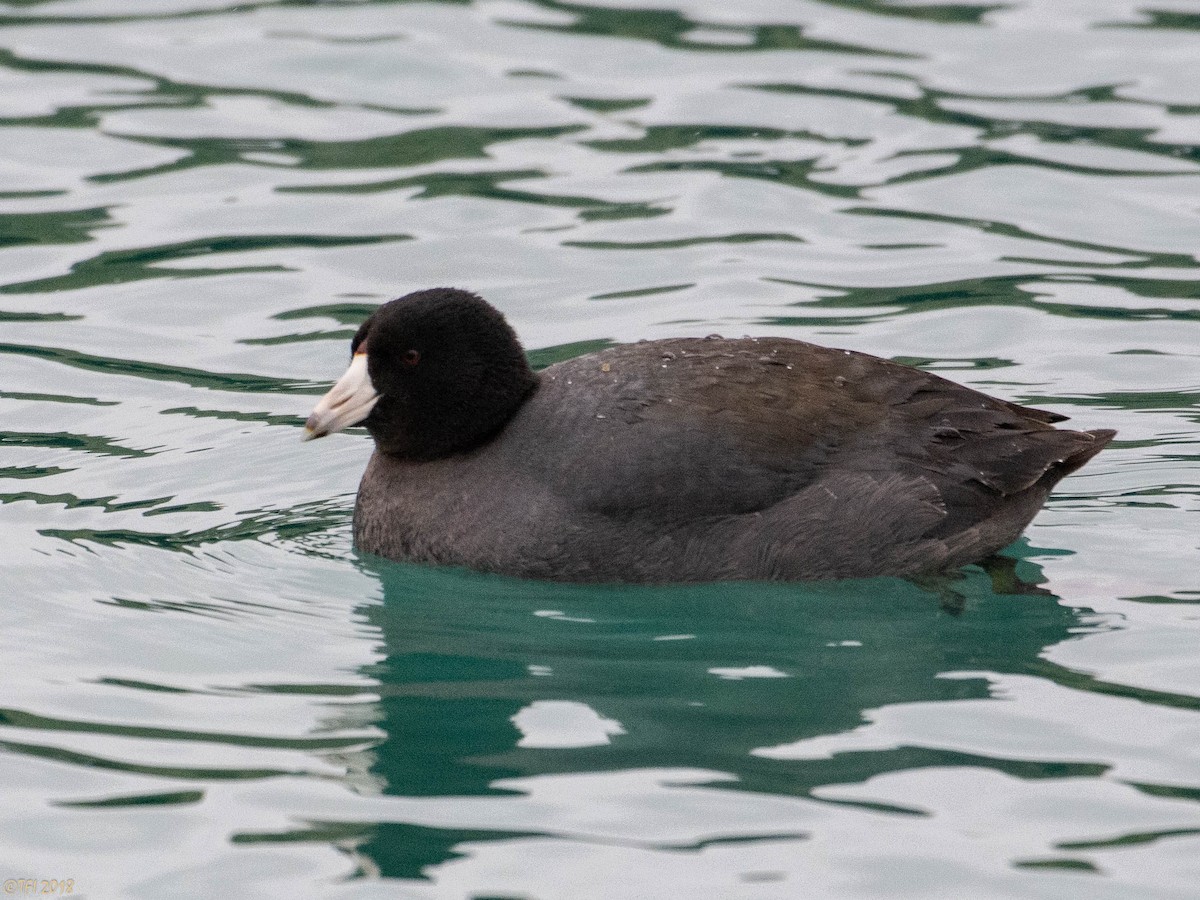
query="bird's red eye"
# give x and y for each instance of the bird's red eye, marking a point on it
(412, 357)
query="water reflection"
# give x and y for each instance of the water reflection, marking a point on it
(484, 679)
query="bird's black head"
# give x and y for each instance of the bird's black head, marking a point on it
(433, 373)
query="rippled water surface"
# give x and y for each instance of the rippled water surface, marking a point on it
(206, 693)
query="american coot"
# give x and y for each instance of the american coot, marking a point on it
(690, 459)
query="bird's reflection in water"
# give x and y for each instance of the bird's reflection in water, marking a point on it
(483, 679)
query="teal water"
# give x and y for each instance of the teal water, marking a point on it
(206, 693)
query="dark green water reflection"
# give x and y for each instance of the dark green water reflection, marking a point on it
(687, 677)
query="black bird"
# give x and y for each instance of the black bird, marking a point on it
(689, 459)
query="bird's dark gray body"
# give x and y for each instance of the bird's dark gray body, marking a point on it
(707, 459)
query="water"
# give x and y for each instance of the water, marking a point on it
(206, 693)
